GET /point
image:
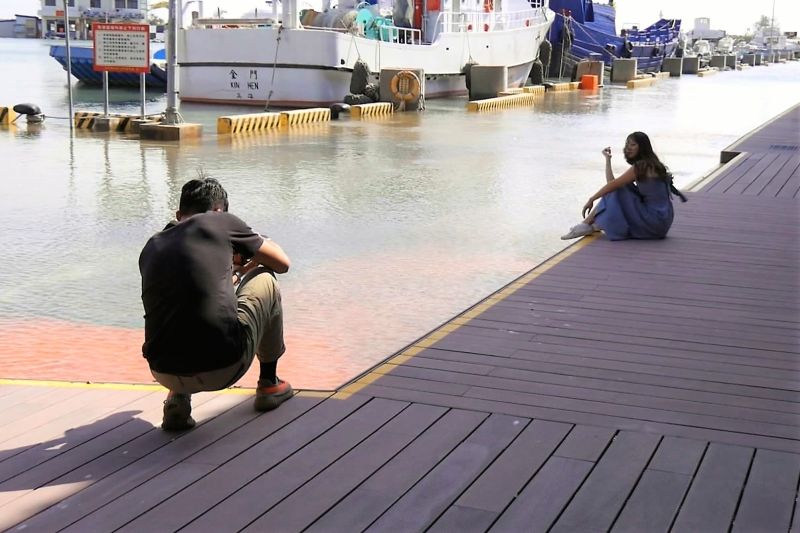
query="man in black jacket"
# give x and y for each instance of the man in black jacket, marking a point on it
(201, 331)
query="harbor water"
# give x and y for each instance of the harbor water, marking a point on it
(394, 225)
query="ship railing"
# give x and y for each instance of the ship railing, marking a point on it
(232, 23)
(398, 34)
(480, 21)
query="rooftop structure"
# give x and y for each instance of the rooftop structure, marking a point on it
(83, 12)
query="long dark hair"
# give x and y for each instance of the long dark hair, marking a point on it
(647, 162)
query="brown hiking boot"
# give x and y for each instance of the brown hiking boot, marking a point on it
(177, 412)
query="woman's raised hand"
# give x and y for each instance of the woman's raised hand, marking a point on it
(607, 152)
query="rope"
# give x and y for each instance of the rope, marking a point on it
(274, 68)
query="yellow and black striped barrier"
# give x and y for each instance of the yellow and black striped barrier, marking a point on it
(305, 116)
(640, 82)
(565, 86)
(84, 120)
(250, 123)
(534, 89)
(502, 102)
(371, 110)
(7, 115)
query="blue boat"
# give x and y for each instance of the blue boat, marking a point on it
(584, 30)
(83, 63)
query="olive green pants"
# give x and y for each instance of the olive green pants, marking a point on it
(261, 319)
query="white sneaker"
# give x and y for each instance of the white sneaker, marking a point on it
(578, 230)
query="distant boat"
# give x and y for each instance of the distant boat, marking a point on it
(309, 59)
(83, 62)
(590, 31)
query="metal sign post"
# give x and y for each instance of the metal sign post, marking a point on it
(122, 48)
(142, 80)
(69, 63)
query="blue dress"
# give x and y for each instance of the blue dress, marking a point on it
(636, 211)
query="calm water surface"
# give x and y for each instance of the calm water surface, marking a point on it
(393, 225)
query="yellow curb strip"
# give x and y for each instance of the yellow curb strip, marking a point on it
(116, 386)
(463, 318)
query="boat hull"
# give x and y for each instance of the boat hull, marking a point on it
(594, 36)
(82, 60)
(308, 68)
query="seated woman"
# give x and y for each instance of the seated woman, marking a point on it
(636, 205)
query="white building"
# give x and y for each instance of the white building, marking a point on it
(83, 12)
(21, 27)
(702, 30)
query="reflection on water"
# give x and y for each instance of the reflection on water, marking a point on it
(393, 225)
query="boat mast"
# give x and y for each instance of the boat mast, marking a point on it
(69, 63)
(171, 115)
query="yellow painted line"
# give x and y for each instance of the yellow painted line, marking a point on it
(463, 318)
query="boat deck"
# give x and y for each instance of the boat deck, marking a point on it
(625, 386)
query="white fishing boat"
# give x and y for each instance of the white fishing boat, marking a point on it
(292, 64)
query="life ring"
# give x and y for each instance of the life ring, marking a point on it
(405, 86)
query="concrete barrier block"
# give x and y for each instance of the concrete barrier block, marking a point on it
(486, 81)
(717, 61)
(305, 116)
(591, 68)
(502, 102)
(534, 89)
(640, 82)
(170, 132)
(691, 65)
(673, 66)
(371, 110)
(248, 123)
(385, 81)
(623, 70)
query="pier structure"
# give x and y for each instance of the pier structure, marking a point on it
(622, 386)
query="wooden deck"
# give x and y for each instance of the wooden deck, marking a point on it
(626, 386)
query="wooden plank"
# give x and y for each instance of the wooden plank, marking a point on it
(313, 499)
(112, 450)
(289, 473)
(730, 176)
(428, 499)
(782, 167)
(759, 168)
(578, 417)
(654, 503)
(715, 490)
(111, 498)
(365, 504)
(77, 434)
(586, 443)
(541, 502)
(506, 477)
(769, 495)
(774, 399)
(463, 520)
(192, 501)
(600, 498)
(679, 456)
(639, 413)
(524, 380)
